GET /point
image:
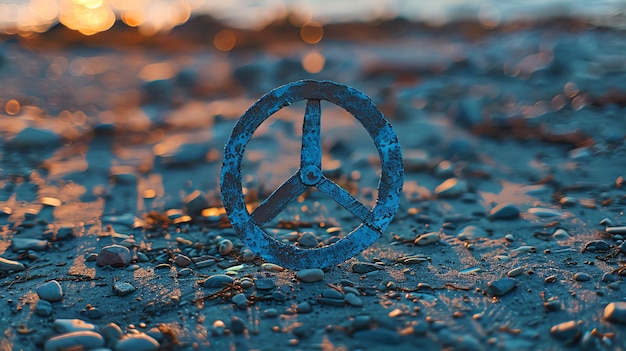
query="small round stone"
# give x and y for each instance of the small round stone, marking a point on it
(616, 312)
(240, 300)
(451, 188)
(80, 340)
(137, 342)
(182, 261)
(470, 232)
(582, 277)
(353, 300)
(332, 294)
(114, 255)
(43, 308)
(426, 239)
(365, 267)
(237, 325)
(270, 313)
(217, 281)
(50, 291)
(308, 240)
(566, 331)
(504, 211)
(310, 275)
(264, 284)
(502, 286)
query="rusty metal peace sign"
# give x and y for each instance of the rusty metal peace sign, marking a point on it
(374, 221)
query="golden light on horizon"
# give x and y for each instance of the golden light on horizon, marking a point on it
(313, 62)
(86, 16)
(311, 32)
(225, 40)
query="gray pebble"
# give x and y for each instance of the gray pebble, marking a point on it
(364, 267)
(451, 188)
(270, 313)
(265, 284)
(608, 277)
(566, 331)
(241, 301)
(471, 232)
(582, 277)
(80, 340)
(426, 239)
(353, 300)
(114, 255)
(72, 325)
(310, 275)
(217, 281)
(545, 212)
(278, 296)
(597, 246)
(616, 312)
(225, 247)
(50, 291)
(332, 294)
(504, 211)
(304, 307)
(308, 240)
(330, 302)
(237, 325)
(502, 286)
(560, 234)
(43, 308)
(111, 333)
(9, 265)
(137, 342)
(182, 261)
(123, 289)
(515, 272)
(18, 244)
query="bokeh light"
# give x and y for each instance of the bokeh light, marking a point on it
(313, 62)
(12, 107)
(225, 40)
(311, 32)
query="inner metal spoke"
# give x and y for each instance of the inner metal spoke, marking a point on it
(311, 142)
(279, 199)
(344, 198)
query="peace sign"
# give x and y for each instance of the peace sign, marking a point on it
(374, 221)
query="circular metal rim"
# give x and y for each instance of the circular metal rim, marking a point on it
(389, 189)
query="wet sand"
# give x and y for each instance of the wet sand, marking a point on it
(509, 234)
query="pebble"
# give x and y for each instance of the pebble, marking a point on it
(416, 160)
(566, 331)
(426, 239)
(365, 267)
(353, 300)
(616, 312)
(451, 188)
(50, 291)
(182, 261)
(240, 300)
(597, 246)
(217, 281)
(582, 277)
(9, 265)
(18, 244)
(504, 211)
(471, 232)
(111, 333)
(310, 275)
(237, 325)
(308, 239)
(304, 307)
(114, 255)
(616, 230)
(502, 286)
(43, 308)
(137, 342)
(545, 212)
(72, 325)
(608, 277)
(361, 322)
(515, 272)
(80, 340)
(568, 201)
(195, 202)
(270, 313)
(560, 234)
(444, 169)
(247, 255)
(270, 267)
(265, 284)
(123, 289)
(332, 294)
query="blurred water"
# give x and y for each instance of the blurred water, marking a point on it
(91, 16)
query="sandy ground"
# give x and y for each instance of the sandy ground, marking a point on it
(508, 235)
